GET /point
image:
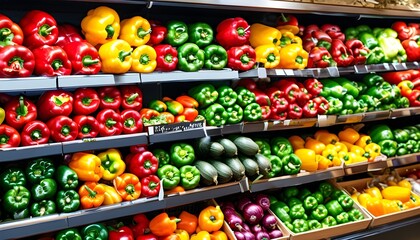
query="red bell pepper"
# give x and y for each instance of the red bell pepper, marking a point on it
(10, 32)
(149, 236)
(341, 54)
(359, 51)
(399, 76)
(290, 88)
(16, 61)
(278, 107)
(167, 57)
(120, 233)
(9, 137)
(150, 186)
(34, 133)
(266, 112)
(261, 97)
(19, 111)
(309, 29)
(138, 148)
(315, 37)
(248, 83)
(295, 111)
(319, 57)
(132, 122)
(274, 93)
(63, 129)
(241, 58)
(54, 103)
(110, 97)
(322, 103)
(412, 48)
(416, 83)
(84, 58)
(39, 28)
(190, 114)
(233, 32)
(68, 33)
(310, 109)
(279, 116)
(303, 97)
(88, 126)
(333, 31)
(140, 225)
(414, 98)
(288, 22)
(313, 86)
(110, 122)
(132, 97)
(85, 101)
(51, 61)
(158, 33)
(143, 164)
(404, 32)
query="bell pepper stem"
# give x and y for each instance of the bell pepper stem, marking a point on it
(45, 30)
(87, 61)
(245, 59)
(144, 59)
(271, 58)
(124, 54)
(22, 110)
(56, 64)
(92, 194)
(36, 135)
(132, 97)
(130, 189)
(86, 101)
(299, 59)
(168, 58)
(4, 32)
(86, 129)
(283, 17)
(129, 122)
(4, 139)
(110, 31)
(152, 185)
(110, 122)
(141, 33)
(65, 130)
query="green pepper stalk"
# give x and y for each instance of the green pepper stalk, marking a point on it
(291, 164)
(95, 231)
(12, 177)
(215, 57)
(67, 201)
(190, 177)
(16, 199)
(281, 147)
(177, 33)
(216, 115)
(252, 112)
(227, 96)
(235, 114)
(182, 154)
(170, 176)
(190, 57)
(43, 208)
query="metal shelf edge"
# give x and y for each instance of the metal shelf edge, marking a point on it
(28, 84)
(18, 153)
(77, 81)
(183, 76)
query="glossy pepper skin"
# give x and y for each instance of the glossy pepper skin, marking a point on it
(66, 178)
(112, 162)
(16, 61)
(216, 115)
(281, 147)
(293, 56)
(43, 190)
(116, 56)
(43, 208)
(167, 58)
(136, 31)
(215, 57)
(158, 33)
(85, 101)
(252, 112)
(110, 122)
(232, 32)
(150, 186)
(341, 54)
(182, 154)
(16, 199)
(39, 28)
(177, 33)
(55, 103)
(20, 111)
(84, 58)
(39, 169)
(88, 126)
(91, 195)
(268, 54)
(205, 94)
(131, 121)
(67, 201)
(63, 129)
(128, 186)
(144, 59)
(190, 57)
(101, 25)
(190, 176)
(68, 33)
(162, 225)
(241, 58)
(170, 176)
(263, 34)
(210, 219)
(11, 33)
(110, 97)
(319, 57)
(200, 33)
(12, 177)
(87, 166)
(70, 233)
(51, 61)
(34, 133)
(94, 231)
(143, 164)
(132, 97)
(235, 114)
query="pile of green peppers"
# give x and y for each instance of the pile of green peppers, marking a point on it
(301, 209)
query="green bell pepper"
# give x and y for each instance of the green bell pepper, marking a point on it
(402, 102)
(276, 166)
(215, 57)
(351, 33)
(335, 105)
(376, 55)
(39, 169)
(328, 221)
(245, 96)
(391, 45)
(346, 202)
(182, 154)
(252, 112)
(190, 57)
(235, 114)
(332, 88)
(170, 176)
(318, 196)
(162, 156)
(263, 145)
(363, 28)
(216, 115)
(314, 224)
(326, 189)
(190, 177)
(281, 147)
(227, 96)
(67, 201)
(43, 208)
(342, 218)
(334, 208)
(66, 178)
(310, 203)
(279, 209)
(303, 193)
(349, 103)
(300, 225)
(177, 33)
(336, 193)
(411, 144)
(45, 189)
(368, 102)
(294, 201)
(362, 87)
(372, 80)
(388, 147)
(200, 33)
(291, 164)
(68, 234)
(95, 231)
(369, 40)
(297, 211)
(400, 135)
(12, 177)
(289, 192)
(350, 86)
(16, 199)
(319, 213)
(380, 132)
(205, 94)
(402, 149)
(355, 215)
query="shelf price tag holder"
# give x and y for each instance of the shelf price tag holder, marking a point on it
(326, 120)
(176, 131)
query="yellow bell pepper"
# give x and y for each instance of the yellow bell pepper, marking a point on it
(374, 192)
(293, 56)
(348, 145)
(2, 115)
(111, 195)
(136, 31)
(331, 153)
(363, 140)
(297, 142)
(396, 193)
(315, 145)
(268, 54)
(363, 198)
(288, 37)
(373, 150)
(87, 166)
(358, 150)
(101, 25)
(323, 162)
(182, 234)
(308, 158)
(262, 35)
(112, 163)
(116, 56)
(341, 147)
(144, 59)
(349, 135)
(405, 183)
(358, 159)
(391, 206)
(210, 219)
(202, 235)
(347, 157)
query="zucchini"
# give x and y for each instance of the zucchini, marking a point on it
(230, 147)
(224, 173)
(208, 173)
(216, 150)
(202, 146)
(237, 167)
(264, 164)
(246, 146)
(251, 166)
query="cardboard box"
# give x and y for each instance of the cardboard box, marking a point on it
(360, 184)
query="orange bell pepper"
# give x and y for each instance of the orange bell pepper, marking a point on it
(323, 162)
(188, 222)
(87, 166)
(202, 235)
(101, 25)
(128, 186)
(211, 219)
(413, 202)
(314, 145)
(375, 206)
(327, 138)
(218, 235)
(293, 56)
(136, 31)
(161, 225)
(349, 135)
(172, 236)
(111, 195)
(308, 159)
(262, 35)
(169, 117)
(297, 142)
(187, 101)
(91, 195)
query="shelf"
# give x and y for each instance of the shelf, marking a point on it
(18, 153)
(77, 81)
(254, 73)
(28, 84)
(180, 76)
(176, 131)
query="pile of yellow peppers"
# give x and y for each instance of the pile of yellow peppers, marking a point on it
(326, 149)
